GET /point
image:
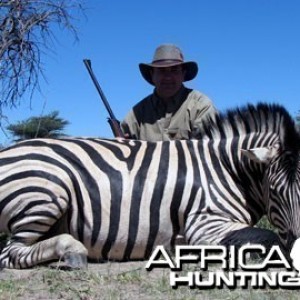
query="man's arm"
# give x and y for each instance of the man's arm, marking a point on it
(130, 126)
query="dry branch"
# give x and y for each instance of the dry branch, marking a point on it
(26, 32)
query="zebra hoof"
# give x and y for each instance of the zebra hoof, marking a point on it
(72, 261)
(75, 260)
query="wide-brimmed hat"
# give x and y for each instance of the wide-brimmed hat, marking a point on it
(168, 55)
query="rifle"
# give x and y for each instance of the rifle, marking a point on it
(113, 122)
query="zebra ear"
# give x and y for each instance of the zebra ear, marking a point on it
(260, 155)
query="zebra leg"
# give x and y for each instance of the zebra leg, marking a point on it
(62, 247)
(39, 234)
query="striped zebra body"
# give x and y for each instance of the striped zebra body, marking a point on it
(118, 199)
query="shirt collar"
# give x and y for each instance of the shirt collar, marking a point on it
(173, 104)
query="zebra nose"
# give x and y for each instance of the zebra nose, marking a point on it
(291, 238)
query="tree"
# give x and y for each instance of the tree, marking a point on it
(26, 32)
(298, 121)
(48, 126)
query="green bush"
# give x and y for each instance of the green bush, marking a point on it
(265, 224)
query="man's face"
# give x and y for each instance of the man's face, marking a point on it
(168, 80)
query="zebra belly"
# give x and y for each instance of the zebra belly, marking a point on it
(127, 245)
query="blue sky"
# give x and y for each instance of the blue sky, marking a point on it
(247, 51)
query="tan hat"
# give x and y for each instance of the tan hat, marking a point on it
(169, 55)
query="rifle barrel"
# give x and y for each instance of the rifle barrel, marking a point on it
(88, 65)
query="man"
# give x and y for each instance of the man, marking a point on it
(172, 111)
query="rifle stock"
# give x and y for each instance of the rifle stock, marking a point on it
(113, 122)
(115, 127)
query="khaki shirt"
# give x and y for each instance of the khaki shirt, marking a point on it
(153, 120)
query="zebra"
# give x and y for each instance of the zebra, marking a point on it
(80, 199)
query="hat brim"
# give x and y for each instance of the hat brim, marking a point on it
(191, 69)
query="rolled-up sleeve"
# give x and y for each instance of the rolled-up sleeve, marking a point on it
(200, 109)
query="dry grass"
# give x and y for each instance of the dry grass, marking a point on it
(115, 281)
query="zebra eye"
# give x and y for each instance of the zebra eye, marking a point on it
(272, 187)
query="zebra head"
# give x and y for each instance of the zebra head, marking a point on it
(281, 183)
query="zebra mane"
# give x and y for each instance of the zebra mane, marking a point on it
(260, 118)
